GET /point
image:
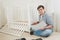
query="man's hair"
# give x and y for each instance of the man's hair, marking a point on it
(40, 7)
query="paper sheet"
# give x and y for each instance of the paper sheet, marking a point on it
(39, 25)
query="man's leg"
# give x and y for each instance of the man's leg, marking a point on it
(37, 32)
(44, 33)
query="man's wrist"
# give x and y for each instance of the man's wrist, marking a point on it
(46, 28)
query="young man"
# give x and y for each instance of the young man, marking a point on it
(47, 30)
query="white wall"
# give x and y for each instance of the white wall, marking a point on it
(50, 7)
(57, 12)
(16, 9)
(3, 19)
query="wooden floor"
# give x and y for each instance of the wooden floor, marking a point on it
(4, 36)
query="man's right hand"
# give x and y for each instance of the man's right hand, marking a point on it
(34, 23)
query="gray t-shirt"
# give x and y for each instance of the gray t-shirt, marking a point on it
(47, 19)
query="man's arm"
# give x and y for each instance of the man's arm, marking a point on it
(49, 22)
(48, 27)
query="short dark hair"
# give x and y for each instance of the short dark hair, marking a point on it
(40, 7)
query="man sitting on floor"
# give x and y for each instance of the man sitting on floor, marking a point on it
(47, 30)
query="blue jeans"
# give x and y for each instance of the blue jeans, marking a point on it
(44, 33)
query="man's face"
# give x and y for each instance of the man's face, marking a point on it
(41, 11)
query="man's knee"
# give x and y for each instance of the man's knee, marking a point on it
(46, 32)
(37, 32)
(49, 31)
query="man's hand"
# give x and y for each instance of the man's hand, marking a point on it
(34, 23)
(48, 27)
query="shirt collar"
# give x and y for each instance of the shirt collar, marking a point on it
(43, 14)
